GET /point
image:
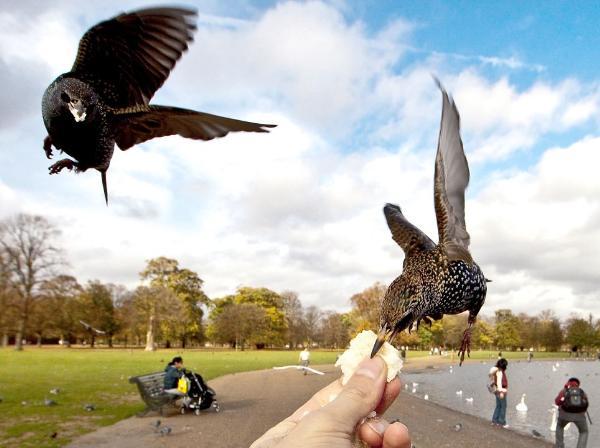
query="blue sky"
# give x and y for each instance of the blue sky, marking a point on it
(349, 85)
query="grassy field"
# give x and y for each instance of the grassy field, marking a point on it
(100, 377)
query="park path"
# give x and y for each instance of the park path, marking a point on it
(252, 402)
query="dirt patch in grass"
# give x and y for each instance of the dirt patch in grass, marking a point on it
(20, 439)
(78, 425)
(117, 399)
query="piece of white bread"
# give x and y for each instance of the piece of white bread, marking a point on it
(360, 348)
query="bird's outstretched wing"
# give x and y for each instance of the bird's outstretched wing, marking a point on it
(88, 327)
(136, 125)
(404, 233)
(451, 180)
(128, 57)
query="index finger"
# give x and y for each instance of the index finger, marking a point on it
(318, 400)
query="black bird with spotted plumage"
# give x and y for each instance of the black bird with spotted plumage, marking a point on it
(441, 278)
(105, 97)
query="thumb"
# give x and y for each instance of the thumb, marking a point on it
(360, 395)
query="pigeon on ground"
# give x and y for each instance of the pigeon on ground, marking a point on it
(55, 391)
(89, 407)
(49, 402)
(441, 278)
(105, 98)
(165, 431)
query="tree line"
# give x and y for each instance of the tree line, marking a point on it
(40, 303)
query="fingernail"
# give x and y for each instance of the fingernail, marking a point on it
(377, 425)
(370, 367)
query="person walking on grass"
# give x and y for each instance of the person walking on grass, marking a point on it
(572, 405)
(500, 381)
(304, 358)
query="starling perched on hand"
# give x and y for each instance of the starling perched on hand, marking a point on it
(104, 99)
(436, 279)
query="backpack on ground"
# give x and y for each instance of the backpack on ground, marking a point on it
(575, 400)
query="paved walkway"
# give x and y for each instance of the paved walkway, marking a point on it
(252, 402)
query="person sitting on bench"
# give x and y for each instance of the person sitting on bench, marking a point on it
(173, 372)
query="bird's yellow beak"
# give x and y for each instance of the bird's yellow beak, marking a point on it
(382, 337)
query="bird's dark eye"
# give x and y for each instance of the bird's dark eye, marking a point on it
(65, 97)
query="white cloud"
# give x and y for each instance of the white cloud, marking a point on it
(304, 57)
(45, 38)
(538, 232)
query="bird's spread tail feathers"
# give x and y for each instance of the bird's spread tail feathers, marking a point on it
(104, 187)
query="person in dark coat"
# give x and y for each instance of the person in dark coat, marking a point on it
(566, 416)
(173, 372)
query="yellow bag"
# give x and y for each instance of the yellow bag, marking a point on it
(183, 385)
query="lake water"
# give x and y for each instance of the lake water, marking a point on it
(540, 381)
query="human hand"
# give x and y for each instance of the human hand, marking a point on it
(335, 415)
(501, 395)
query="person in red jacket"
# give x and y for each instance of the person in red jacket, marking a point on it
(572, 404)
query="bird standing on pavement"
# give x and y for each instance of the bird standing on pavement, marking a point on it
(105, 97)
(441, 278)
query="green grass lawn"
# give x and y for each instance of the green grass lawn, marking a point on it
(100, 376)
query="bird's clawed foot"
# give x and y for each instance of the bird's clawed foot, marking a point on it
(465, 347)
(64, 163)
(48, 146)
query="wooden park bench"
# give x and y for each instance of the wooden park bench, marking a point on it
(151, 387)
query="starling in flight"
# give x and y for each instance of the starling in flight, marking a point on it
(104, 99)
(441, 278)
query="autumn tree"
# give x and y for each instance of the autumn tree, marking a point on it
(240, 323)
(271, 302)
(454, 328)
(294, 318)
(580, 333)
(366, 306)
(55, 309)
(551, 334)
(530, 330)
(484, 333)
(335, 329)
(28, 248)
(152, 304)
(507, 329)
(312, 323)
(186, 287)
(133, 322)
(95, 307)
(8, 302)
(425, 336)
